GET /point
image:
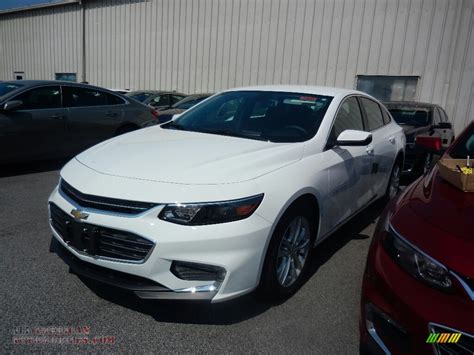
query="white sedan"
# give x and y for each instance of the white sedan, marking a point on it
(230, 196)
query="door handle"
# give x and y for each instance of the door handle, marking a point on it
(57, 117)
(392, 139)
(111, 114)
(370, 149)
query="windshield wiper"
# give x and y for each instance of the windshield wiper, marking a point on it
(175, 125)
(227, 132)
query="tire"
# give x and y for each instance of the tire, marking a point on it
(273, 285)
(393, 187)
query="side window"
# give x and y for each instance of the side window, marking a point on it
(348, 117)
(161, 100)
(41, 98)
(176, 98)
(386, 116)
(114, 100)
(373, 114)
(81, 97)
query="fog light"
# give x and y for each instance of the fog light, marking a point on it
(197, 272)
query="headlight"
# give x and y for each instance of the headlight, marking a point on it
(195, 214)
(415, 262)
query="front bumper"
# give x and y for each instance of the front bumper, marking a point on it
(237, 247)
(405, 309)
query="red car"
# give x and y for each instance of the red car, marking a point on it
(419, 277)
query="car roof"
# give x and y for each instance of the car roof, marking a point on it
(33, 83)
(303, 89)
(155, 92)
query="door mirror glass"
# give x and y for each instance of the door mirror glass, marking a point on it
(12, 105)
(351, 137)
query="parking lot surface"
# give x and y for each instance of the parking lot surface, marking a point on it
(37, 290)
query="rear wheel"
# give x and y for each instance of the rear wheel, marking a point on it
(288, 254)
(394, 182)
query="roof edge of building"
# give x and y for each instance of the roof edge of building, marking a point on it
(39, 6)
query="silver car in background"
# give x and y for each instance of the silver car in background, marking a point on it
(52, 119)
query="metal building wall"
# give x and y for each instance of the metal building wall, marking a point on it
(209, 45)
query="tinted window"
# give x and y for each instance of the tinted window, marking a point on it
(262, 115)
(140, 96)
(386, 116)
(81, 97)
(373, 114)
(161, 100)
(348, 117)
(5, 88)
(410, 116)
(40, 98)
(176, 98)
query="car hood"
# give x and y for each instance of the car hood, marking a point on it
(182, 157)
(438, 218)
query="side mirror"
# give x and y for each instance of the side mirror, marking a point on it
(442, 125)
(12, 105)
(429, 143)
(351, 137)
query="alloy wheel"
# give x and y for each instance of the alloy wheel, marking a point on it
(394, 181)
(293, 251)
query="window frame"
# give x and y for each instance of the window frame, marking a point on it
(27, 89)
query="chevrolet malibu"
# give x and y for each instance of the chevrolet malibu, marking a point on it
(230, 196)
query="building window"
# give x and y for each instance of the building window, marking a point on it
(65, 76)
(388, 88)
(19, 75)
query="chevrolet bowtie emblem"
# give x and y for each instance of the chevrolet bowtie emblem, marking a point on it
(78, 214)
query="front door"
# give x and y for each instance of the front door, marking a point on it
(36, 129)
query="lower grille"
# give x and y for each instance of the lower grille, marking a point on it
(464, 346)
(99, 241)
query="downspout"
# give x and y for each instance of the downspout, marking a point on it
(83, 34)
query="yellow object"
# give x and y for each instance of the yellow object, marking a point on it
(466, 170)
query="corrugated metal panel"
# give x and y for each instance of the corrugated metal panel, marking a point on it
(210, 45)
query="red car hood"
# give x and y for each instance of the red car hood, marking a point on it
(439, 219)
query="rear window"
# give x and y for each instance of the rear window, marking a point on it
(411, 116)
(5, 88)
(85, 97)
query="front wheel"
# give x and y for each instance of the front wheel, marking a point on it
(288, 254)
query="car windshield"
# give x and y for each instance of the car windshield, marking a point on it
(5, 88)
(188, 102)
(464, 147)
(410, 116)
(260, 115)
(140, 96)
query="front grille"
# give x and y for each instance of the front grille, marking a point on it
(97, 240)
(464, 346)
(103, 203)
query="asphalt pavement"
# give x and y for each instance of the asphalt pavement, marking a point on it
(37, 293)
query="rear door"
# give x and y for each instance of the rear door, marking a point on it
(37, 128)
(94, 116)
(383, 147)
